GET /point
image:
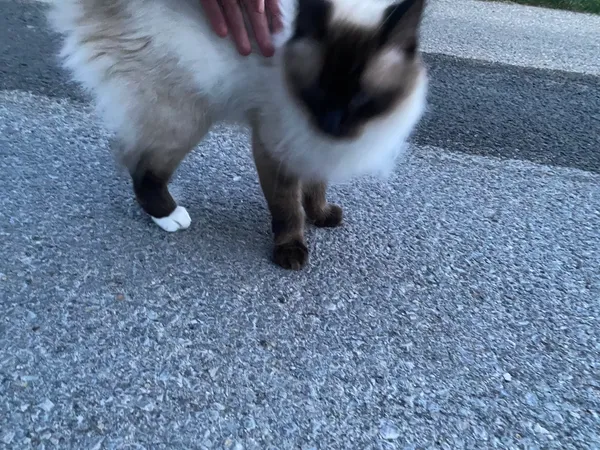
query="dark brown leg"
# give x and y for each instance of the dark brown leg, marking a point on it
(151, 175)
(151, 191)
(318, 210)
(283, 193)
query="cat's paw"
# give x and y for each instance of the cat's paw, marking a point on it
(331, 217)
(179, 219)
(291, 255)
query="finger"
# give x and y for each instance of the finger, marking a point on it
(235, 21)
(259, 6)
(260, 27)
(272, 7)
(215, 16)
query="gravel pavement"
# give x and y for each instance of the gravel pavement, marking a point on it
(459, 306)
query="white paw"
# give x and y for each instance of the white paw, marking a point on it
(179, 219)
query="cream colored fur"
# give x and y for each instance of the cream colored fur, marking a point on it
(161, 78)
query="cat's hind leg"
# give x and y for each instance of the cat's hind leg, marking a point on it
(146, 94)
(150, 184)
(163, 136)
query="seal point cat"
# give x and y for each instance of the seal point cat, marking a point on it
(338, 100)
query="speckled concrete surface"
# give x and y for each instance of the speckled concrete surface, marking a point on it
(457, 308)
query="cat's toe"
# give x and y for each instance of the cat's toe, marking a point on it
(332, 217)
(179, 219)
(292, 255)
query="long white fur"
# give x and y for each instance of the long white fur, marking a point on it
(231, 84)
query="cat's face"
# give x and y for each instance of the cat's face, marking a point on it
(347, 73)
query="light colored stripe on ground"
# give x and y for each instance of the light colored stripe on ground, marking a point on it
(514, 34)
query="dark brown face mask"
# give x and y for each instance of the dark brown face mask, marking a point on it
(332, 89)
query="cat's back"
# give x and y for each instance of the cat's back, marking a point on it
(158, 40)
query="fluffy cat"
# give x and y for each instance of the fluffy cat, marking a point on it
(345, 89)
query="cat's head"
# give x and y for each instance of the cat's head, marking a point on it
(350, 62)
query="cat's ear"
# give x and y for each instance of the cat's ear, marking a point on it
(401, 23)
(311, 19)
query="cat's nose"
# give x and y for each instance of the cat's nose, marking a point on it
(331, 122)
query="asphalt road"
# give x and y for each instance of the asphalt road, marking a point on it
(459, 306)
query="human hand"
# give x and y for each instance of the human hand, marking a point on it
(226, 16)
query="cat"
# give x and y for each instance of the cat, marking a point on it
(343, 92)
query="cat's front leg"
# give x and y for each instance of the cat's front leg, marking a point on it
(319, 211)
(283, 192)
